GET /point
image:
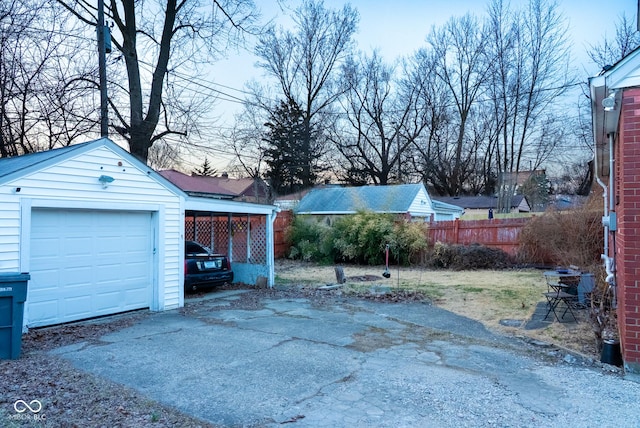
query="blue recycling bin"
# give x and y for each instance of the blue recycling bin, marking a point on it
(13, 294)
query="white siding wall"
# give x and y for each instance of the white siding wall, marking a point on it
(9, 236)
(444, 217)
(74, 184)
(421, 205)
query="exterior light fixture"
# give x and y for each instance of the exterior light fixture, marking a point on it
(609, 103)
(105, 180)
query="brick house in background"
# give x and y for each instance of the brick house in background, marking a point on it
(615, 107)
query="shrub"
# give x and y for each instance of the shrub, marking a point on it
(409, 242)
(362, 237)
(564, 238)
(358, 238)
(442, 255)
(462, 257)
(310, 240)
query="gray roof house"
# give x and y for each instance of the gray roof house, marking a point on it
(481, 204)
(405, 199)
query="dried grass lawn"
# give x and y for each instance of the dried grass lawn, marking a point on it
(487, 296)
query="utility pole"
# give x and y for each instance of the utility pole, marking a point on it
(102, 66)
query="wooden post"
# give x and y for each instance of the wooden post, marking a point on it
(340, 279)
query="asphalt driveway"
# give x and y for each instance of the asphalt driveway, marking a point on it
(352, 363)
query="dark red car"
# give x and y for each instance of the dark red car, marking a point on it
(203, 269)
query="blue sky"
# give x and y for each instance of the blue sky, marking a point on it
(398, 28)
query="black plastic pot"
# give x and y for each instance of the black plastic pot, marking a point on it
(611, 352)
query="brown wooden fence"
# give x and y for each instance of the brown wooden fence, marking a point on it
(495, 233)
(280, 246)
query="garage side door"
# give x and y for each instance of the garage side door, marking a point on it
(88, 263)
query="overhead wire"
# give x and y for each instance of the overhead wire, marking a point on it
(226, 96)
(205, 84)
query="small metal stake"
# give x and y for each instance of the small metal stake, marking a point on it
(386, 272)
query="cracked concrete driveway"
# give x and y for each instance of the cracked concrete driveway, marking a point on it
(351, 363)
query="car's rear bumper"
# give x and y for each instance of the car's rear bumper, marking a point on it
(207, 279)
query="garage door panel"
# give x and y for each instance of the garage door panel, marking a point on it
(109, 301)
(137, 271)
(77, 306)
(88, 263)
(46, 311)
(76, 275)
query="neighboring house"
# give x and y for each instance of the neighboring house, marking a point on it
(475, 205)
(518, 179)
(566, 202)
(223, 187)
(409, 200)
(244, 189)
(100, 233)
(290, 201)
(615, 108)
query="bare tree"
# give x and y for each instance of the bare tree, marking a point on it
(529, 56)
(163, 155)
(42, 79)
(456, 55)
(247, 141)
(610, 51)
(304, 64)
(155, 38)
(380, 122)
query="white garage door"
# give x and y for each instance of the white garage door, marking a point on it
(88, 263)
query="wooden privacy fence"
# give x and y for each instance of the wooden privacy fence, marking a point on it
(495, 233)
(280, 245)
(502, 233)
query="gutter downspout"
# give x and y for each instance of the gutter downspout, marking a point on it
(610, 262)
(605, 255)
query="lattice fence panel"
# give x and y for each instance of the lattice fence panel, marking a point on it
(188, 229)
(213, 232)
(259, 240)
(203, 231)
(220, 231)
(239, 233)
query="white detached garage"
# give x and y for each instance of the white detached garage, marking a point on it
(99, 232)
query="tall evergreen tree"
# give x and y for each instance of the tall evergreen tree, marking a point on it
(290, 165)
(205, 169)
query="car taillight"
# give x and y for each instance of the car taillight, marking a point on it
(185, 268)
(228, 264)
